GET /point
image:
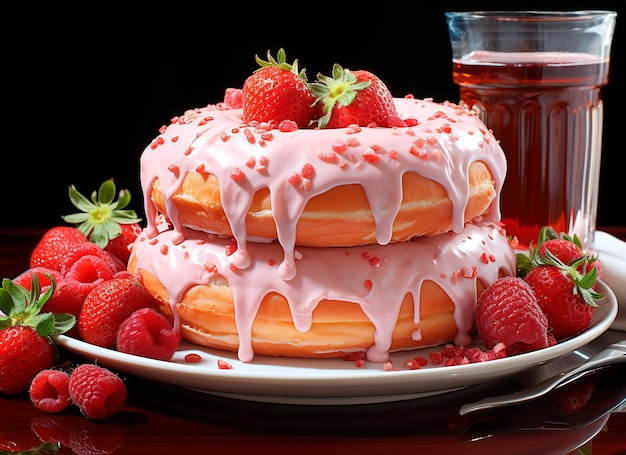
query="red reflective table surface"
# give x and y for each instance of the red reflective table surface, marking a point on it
(164, 418)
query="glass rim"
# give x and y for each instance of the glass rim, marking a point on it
(514, 15)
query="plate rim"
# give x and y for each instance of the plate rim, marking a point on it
(257, 381)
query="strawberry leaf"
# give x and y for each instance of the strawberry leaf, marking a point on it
(17, 294)
(63, 322)
(100, 218)
(22, 307)
(44, 324)
(106, 193)
(6, 302)
(340, 89)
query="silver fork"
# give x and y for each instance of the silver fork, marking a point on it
(613, 354)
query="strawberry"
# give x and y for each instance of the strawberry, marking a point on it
(100, 219)
(25, 344)
(119, 247)
(98, 392)
(65, 299)
(54, 245)
(564, 294)
(107, 306)
(567, 252)
(354, 97)
(23, 354)
(43, 274)
(276, 92)
(148, 333)
(567, 249)
(508, 312)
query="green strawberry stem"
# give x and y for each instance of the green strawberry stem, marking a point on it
(99, 219)
(23, 307)
(281, 62)
(583, 283)
(341, 88)
(524, 260)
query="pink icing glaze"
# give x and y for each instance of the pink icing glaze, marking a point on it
(454, 261)
(441, 147)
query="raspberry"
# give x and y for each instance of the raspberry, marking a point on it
(87, 249)
(507, 312)
(49, 390)
(148, 333)
(572, 397)
(87, 272)
(98, 392)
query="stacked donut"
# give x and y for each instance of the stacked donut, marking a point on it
(322, 242)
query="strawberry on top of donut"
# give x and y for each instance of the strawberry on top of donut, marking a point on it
(279, 92)
(354, 97)
(276, 92)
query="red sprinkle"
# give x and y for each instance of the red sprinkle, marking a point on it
(287, 126)
(339, 146)
(223, 364)
(370, 155)
(470, 272)
(236, 174)
(368, 284)
(193, 358)
(294, 178)
(374, 262)
(307, 170)
(230, 249)
(249, 136)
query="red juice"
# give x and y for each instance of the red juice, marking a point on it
(546, 111)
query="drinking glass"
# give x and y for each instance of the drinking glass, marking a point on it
(535, 79)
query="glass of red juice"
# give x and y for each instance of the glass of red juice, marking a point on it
(535, 79)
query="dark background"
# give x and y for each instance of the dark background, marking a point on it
(87, 88)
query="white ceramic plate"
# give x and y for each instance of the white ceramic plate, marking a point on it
(330, 381)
